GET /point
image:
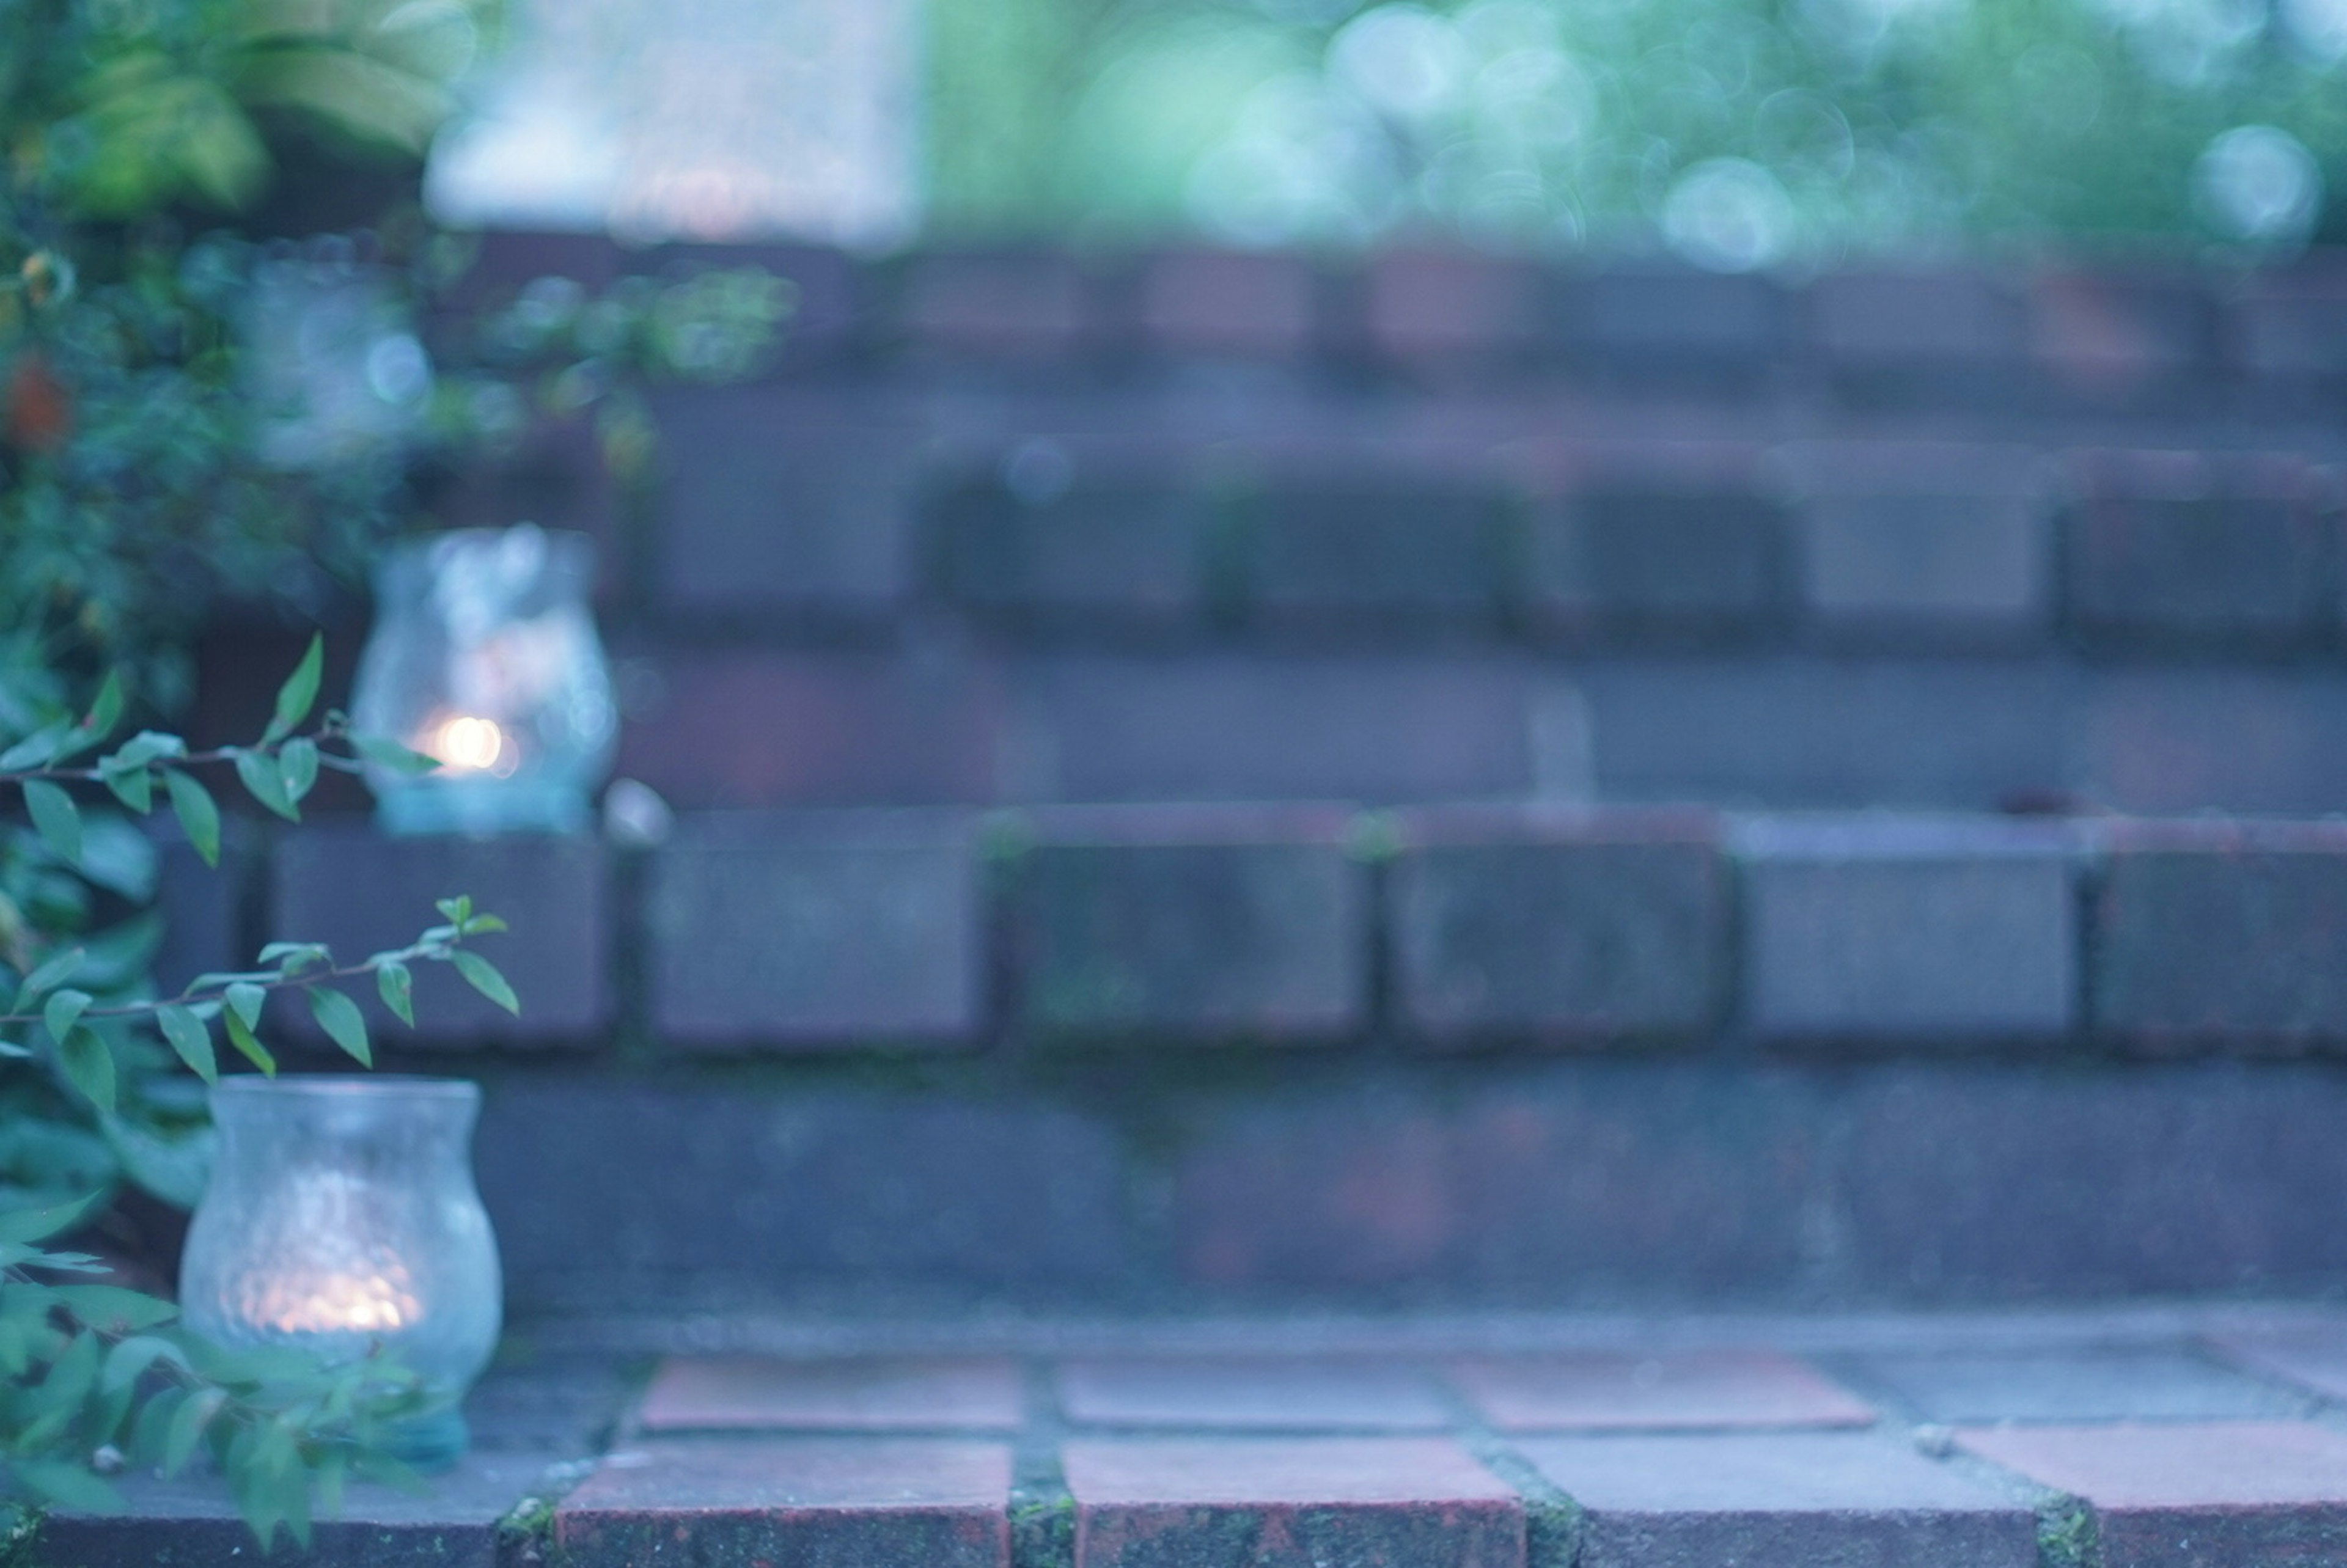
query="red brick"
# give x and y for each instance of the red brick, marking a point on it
(1255, 1392)
(1687, 1388)
(1289, 1503)
(1208, 302)
(769, 728)
(719, 1504)
(995, 303)
(2190, 1495)
(1436, 304)
(1785, 1499)
(706, 1393)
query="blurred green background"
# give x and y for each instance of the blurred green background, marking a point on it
(1735, 134)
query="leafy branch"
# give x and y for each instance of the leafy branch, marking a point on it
(99, 1371)
(278, 770)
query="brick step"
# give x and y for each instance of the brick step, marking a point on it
(2212, 1437)
(1332, 930)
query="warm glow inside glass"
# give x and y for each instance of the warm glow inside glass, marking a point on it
(484, 655)
(340, 1217)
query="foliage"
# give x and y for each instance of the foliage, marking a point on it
(1738, 133)
(96, 1369)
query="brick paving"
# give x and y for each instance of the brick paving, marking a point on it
(2144, 1440)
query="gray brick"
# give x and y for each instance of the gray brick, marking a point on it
(624, 1194)
(2194, 737)
(1020, 305)
(1403, 547)
(2169, 547)
(2222, 935)
(1115, 551)
(1228, 302)
(2291, 324)
(359, 893)
(2124, 1179)
(1950, 320)
(1785, 1499)
(1906, 536)
(1596, 928)
(772, 501)
(201, 909)
(2073, 1384)
(822, 929)
(1632, 320)
(2113, 336)
(1191, 925)
(1438, 305)
(1622, 558)
(1908, 930)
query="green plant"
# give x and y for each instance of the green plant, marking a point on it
(98, 1375)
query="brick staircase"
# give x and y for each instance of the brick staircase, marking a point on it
(1213, 786)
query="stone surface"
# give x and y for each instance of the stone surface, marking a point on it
(1626, 559)
(2210, 934)
(1439, 304)
(202, 908)
(1951, 321)
(827, 1502)
(1189, 926)
(2115, 337)
(745, 1392)
(1288, 1503)
(1973, 1183)
(2177, 737)
(1253, 1392)
(1657, 1390)
(1401, 545)
(191, 1523)
(553, 892)
(2183, 1496)
(2313, 1357)
(2072, 1385)
(1018, 305)
(1124, 549)
(789, 929)
(776, 503)
(1527, 930)
(1867, 929)
(1782, 1500)
(629, 1195)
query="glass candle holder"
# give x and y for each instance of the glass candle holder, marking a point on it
(484, 654)
(340, 1217)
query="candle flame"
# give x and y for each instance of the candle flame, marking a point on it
(468, 744)
(307, 1302)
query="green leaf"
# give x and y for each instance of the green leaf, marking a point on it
(71, 1375)
(340, 1019)
(39, 1225)
(129, 1358)
(89, 1065)
(153, 1425)
(299, 692)
(483, 925)
(290, 956)
(145, 746)
(105, 713)
(187, 1428)
(393, 757)
(35, 748)
(11, 1049)
(67, 1485)
(55, 816)
(62, 1011)
(398, 989)
(52, 973)
(246, 999)
(484, 978)
(257, 770)
(111, 1309)
(297, 764)
(134, 787)
(198, 816)
(190, 1039)
(240, 1035)
(456, 910)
